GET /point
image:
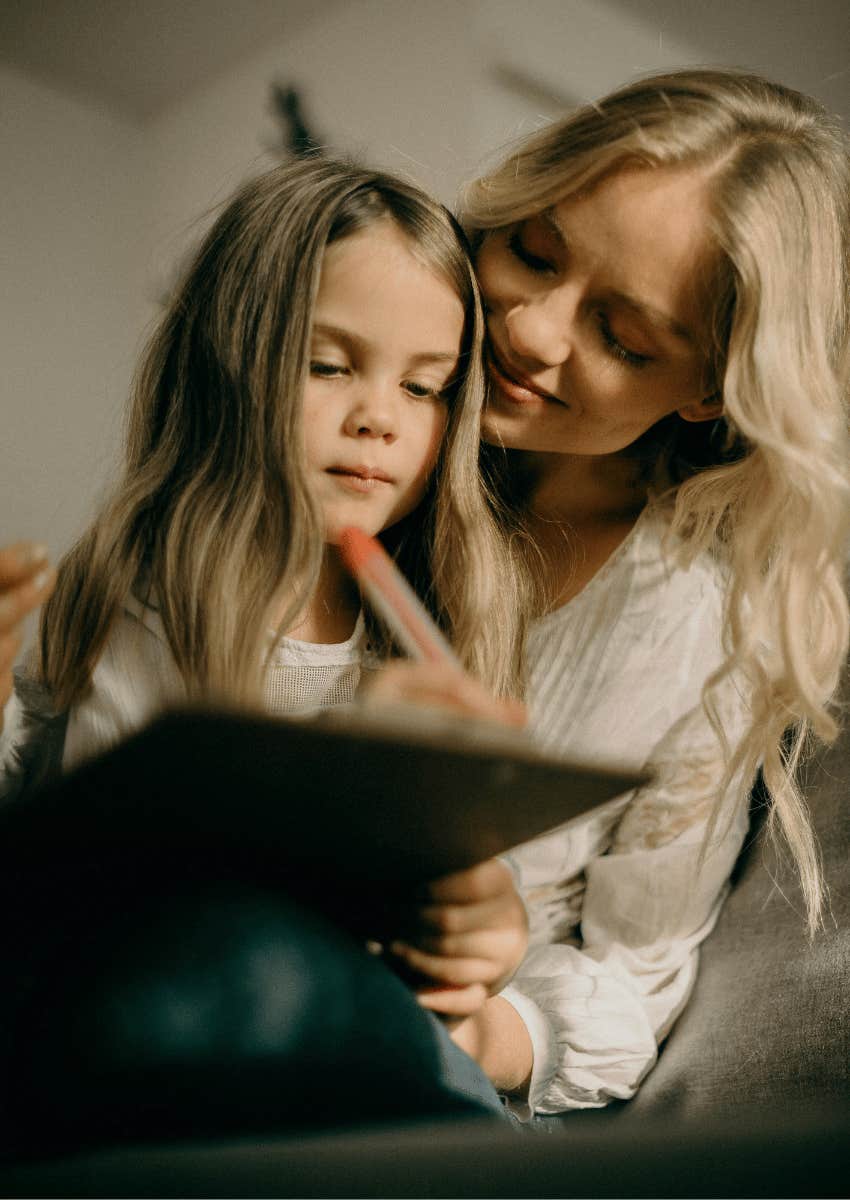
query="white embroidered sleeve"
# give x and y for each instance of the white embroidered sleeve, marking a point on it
(597, 1010)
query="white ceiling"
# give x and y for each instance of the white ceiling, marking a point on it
(138, 56)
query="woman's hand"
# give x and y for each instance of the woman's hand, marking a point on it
(437, 686)
(468, 937)
(25, 582)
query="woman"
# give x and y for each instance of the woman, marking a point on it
(666, 285)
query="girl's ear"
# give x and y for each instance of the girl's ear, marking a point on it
(707, 409)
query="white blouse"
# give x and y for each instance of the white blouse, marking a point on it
(619, 901)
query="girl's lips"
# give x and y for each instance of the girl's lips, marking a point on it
(513, 389)
(359, 481)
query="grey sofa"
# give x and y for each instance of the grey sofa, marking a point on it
(750, 1097)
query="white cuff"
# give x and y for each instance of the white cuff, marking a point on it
(544, 1048)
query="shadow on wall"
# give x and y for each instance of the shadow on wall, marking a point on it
(764, 36)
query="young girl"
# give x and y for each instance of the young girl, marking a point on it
(665, 275)
(320, 352)
(318, 367)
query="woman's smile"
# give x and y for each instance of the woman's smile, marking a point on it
(514, 386)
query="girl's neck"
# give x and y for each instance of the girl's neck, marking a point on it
(331, 613)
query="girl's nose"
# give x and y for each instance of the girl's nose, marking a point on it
(372, 415)
(540, 333)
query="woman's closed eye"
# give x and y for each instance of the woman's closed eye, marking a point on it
(534, 262)
(616, 348)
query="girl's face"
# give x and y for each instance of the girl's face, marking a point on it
(594, 315)
(386, 340)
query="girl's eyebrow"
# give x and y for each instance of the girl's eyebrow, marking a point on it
(353, 341)
(654, 316)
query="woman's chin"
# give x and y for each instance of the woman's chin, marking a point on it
(496, 432)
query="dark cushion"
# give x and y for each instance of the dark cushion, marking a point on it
(769, 1020)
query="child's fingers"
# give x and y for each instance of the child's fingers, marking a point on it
(20, 561)
(455, 971)
(16, 602)
(488, 880)
(488, 956)
(442, 686)
(492, 944)
(448, 919)
(454, 1002)
(458, 691)
(442, 921)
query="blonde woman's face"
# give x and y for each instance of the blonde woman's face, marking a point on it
(386, 339)
(595, 315)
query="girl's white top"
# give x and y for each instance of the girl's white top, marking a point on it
(618, 901)
(136, 677)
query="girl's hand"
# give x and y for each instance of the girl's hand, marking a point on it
(25, 582)
(437, 686)
(469, 936)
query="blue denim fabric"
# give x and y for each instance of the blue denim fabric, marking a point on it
(220, 1010)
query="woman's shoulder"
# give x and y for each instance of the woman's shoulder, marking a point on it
(660, 550)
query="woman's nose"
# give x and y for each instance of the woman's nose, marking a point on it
(372, 415)
(540, 333)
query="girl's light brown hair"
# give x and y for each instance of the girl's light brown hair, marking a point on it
(766, 487)
(212, 515)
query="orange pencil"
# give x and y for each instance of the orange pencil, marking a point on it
(393, 598)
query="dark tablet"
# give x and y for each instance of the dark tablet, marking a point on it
(382, 798)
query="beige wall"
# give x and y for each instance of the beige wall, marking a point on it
(70, 311)
(383, 80)
(96, 208)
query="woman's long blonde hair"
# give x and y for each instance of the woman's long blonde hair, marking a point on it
(766, 486)
(213, 511)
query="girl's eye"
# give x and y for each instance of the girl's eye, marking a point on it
(540, 266)
(617, 349)
(422, 391)
(327, 370)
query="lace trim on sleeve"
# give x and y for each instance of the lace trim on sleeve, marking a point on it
(689, 764)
